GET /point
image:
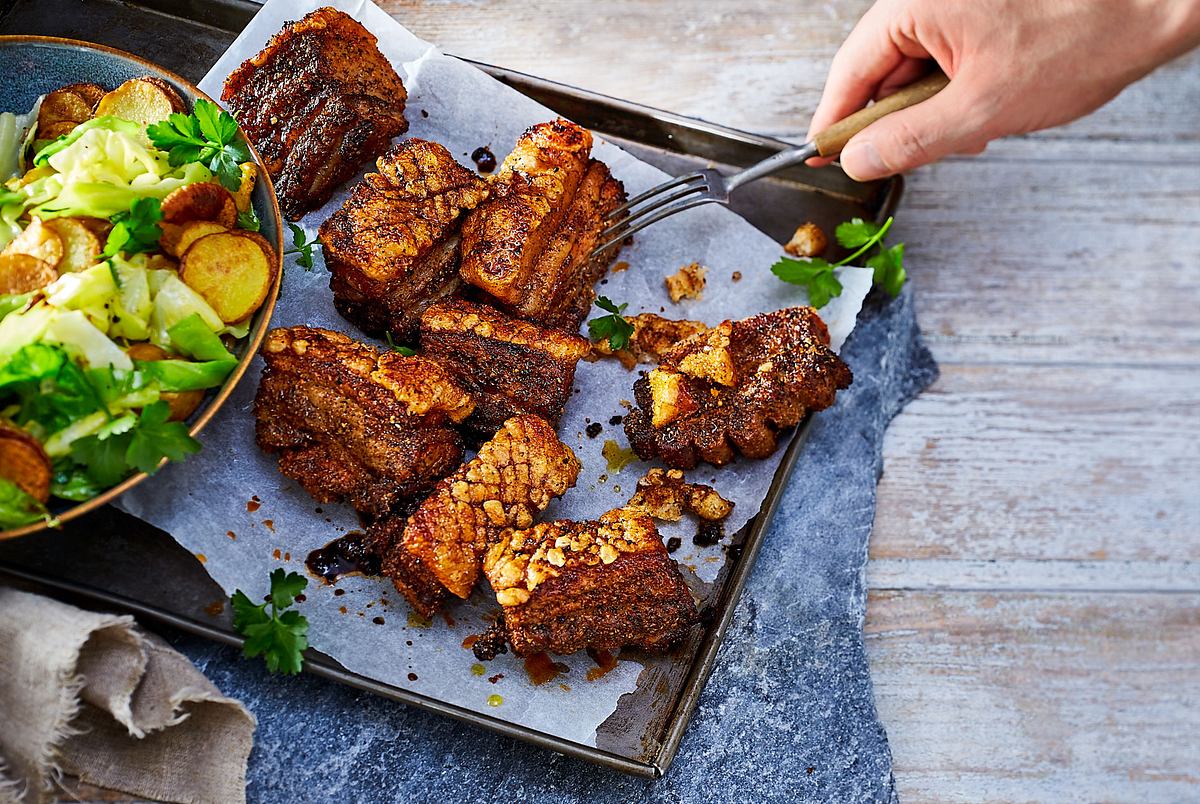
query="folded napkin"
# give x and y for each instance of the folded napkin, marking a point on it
(91, 695)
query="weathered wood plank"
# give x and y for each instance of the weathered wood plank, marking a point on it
(1033, 575)
(1055, 462)
(1083, 697)
(752, 64)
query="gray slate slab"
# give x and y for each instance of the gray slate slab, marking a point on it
(788, 714)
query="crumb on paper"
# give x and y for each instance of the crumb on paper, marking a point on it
(665, 494)
(620, 266)
(652, 336)
(686, 283)
(807, 241)
(737, 276)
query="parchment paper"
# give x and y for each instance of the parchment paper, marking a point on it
(230, 506)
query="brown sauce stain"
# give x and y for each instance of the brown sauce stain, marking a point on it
(605, 662)
(412, 676)
(201, 558)
(448, 618)
(231, 535)
(215, 608)
(470, 641)
(541, 668)
(495, 678)
(278, 554)
(377, 620)
(254, 504)
(270, 523)
(347, 555)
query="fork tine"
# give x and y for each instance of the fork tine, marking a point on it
(643, 222)
(687, 178)
(659, 203)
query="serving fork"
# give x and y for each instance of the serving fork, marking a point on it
(711, 187)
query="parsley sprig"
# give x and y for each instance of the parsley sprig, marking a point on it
(613, 326)
(136, 230)
(208, 135)
(303, 246)
(407, 351)
(817, 276)
(279, 636)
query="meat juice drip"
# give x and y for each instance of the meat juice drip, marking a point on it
(343, 556)
(541, 668)
(484, 159)
(604, 660)
(708, 534)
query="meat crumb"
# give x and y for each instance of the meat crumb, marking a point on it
(686, 283)
(807, 241)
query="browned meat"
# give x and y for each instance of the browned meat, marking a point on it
(351, 423)
(734, 387)
(509, 366)
(664, 494)
(439, 548)
(318, 102)
(529, 245)
(604, 584)
(392, 248)
(652, 336)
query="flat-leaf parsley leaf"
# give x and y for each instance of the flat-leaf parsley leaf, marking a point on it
(279, 636)
(208, 135)
(614, 327)
(817, 275)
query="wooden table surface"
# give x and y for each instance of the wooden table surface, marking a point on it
(1035, 574)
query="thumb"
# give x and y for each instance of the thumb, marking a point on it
(947, 123)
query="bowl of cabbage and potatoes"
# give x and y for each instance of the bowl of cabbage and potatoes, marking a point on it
(140, 259)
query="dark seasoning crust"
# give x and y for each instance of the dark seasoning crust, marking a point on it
(491, 278)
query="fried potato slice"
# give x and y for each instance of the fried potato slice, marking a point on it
(141, 100)
(90, 93)
(24, 462)
(241, 196)
(60, 107)
(56, 130)
(81, 248)
(263, 243)
(100, 227)
(181, 403)
(192, 231)
(201, 201)
(177, 104)
(20, 273)
(230, 271)
(38, 241)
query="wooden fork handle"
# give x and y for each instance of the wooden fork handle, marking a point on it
(831, 141)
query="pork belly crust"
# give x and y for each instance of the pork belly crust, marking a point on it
(530, 246)
(602, 584)
(512, 479)
(318, 102)
(349, 422)
(733, 388)
(510, 367)
(392, 247)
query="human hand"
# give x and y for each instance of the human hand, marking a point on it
(1015, 66)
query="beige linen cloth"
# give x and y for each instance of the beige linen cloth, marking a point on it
(91, 695)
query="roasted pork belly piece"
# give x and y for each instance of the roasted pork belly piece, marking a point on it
(510, 367)
(392, 248)
(602, 584)
(652, 336)
(732, 389)
(352, 423)
(530, 245)
(318, 102)
(439, 548)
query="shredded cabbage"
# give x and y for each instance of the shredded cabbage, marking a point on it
(173, 302)
(75, 333)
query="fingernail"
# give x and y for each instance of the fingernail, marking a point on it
(862, 162)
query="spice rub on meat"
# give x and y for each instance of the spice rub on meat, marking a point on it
(352, 423)
(602, 584)
(733, 388)
(530, 245)
(393, 247)
(439, 548)
(318, 102)
(510, 367)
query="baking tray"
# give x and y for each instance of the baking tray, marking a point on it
(111, 560)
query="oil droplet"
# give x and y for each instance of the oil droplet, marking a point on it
(477, 669)
(495, 700)
(618, 458)
(417, 621)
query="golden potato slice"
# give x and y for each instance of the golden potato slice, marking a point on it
(24, 462)
(58, 108)
(192, 231)
(263, 243)
(138, 100)
(89, 93)
(81, 248)
(177, 104)
(56, 130)
(230, 271)
(181, 403)
(20, 273)
(39, 241)
(242, 196)
(202, 201)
